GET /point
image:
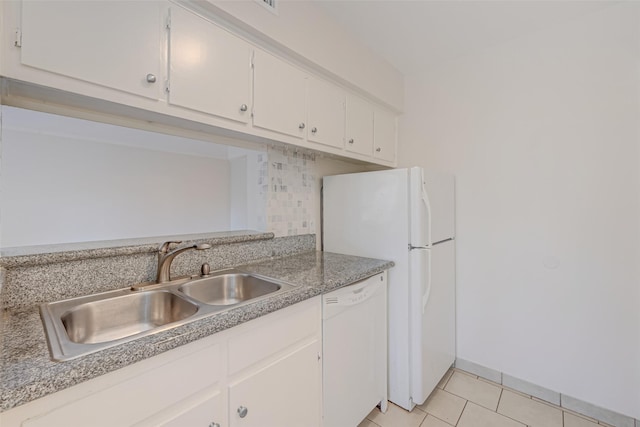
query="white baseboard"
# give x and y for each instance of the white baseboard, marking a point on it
(559, 399)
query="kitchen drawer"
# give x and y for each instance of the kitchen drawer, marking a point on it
(138, 398)
(205, 408)
(277, 333)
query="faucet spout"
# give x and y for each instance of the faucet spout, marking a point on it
(165, 258)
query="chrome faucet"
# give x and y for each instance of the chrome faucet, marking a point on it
(165, 258)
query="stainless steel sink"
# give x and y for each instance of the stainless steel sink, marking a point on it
(228, 289)
(79, 326)
(119, 317)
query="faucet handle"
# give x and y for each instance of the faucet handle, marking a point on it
(205, 270)
(164, 248)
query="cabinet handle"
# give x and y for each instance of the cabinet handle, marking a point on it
(243, 107)
(351, 141)
(151, 78)
(242, 411)
(314, 129)
(301, 126)
(214, 425)
(378, 149)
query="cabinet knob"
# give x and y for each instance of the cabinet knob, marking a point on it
(314, 129)
(243, 107)
(351, 141)
(214, 425)
(301, 126)
(242, 411)
(378, 149)
(151, 78)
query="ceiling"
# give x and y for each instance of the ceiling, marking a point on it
(416, 35)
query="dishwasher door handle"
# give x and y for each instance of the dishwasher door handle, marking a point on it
(355, 297)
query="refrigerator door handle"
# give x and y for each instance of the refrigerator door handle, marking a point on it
(420, 223)
(427, 292)
(425, 200)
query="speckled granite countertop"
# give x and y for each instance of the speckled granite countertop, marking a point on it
(27, 372)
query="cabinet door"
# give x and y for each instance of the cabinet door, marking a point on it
(209, 68)
(284, 393)
(279, 95)
(359, 124)
(325, 113)
(384, 135)
(111, 43)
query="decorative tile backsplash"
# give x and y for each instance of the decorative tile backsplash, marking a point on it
(287, 179)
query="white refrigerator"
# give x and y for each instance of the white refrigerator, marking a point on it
(406, 216)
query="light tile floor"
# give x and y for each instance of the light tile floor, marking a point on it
(465, 400)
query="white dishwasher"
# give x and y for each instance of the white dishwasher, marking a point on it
(354, 347)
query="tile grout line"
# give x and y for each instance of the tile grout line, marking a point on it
(499, 399)
(529, 397)
(447, 381)
(429, 413)
(461, 412)
(502, 389)
(503, 415)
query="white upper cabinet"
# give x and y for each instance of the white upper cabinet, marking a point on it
(384, 135)
(278, 95)
(359, 133)
(110, 43)
(160, 57)
(325, 113)
(209, 68)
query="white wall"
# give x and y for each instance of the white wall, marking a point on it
(70, 180)
(238, 192)
(543, 136)
(248, 198)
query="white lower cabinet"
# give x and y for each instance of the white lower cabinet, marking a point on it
(273, 397)
(153, 387)
(201, 384)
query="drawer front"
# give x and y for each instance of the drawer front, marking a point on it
(206, 410)
(140, 397)
(275, 333)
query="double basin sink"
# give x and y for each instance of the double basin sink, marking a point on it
(79, 326)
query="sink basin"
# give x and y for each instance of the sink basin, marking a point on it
(79, 326)
(123, 316)
(228, 289)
